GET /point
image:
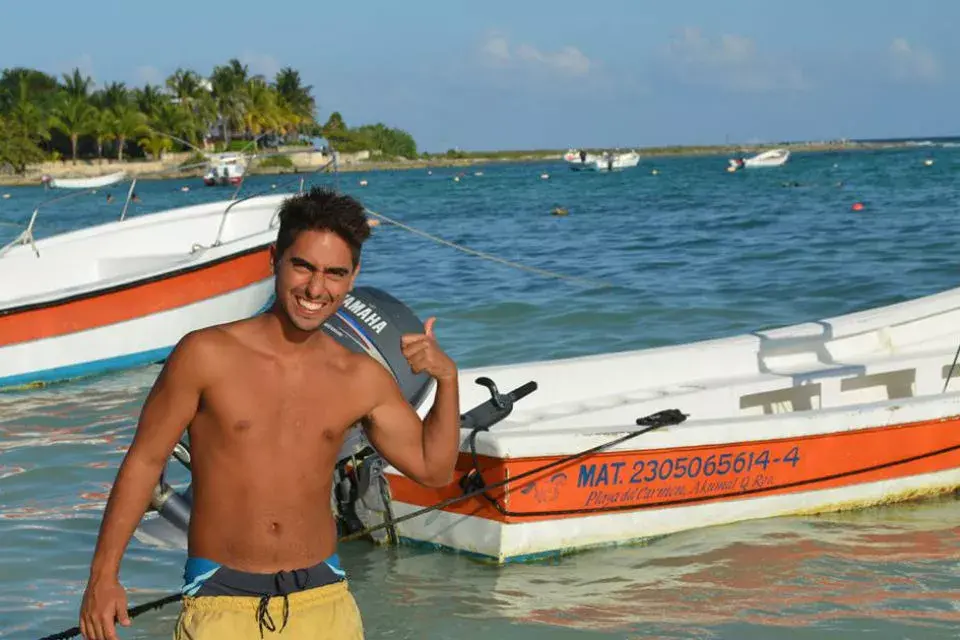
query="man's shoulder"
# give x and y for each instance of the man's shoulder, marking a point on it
(369, 374)
(207, 337)
(209, 345)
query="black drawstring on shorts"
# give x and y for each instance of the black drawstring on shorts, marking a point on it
(264, 619)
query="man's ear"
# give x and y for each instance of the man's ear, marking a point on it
(273, 256)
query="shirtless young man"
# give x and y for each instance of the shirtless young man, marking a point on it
(267, 401)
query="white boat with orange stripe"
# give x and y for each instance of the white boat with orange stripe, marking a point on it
(838, 414)
(843, 413)
(123, 293)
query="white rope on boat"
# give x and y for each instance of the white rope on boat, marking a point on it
(492, 258)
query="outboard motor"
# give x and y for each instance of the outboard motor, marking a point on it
(372, 321)
(369, 321)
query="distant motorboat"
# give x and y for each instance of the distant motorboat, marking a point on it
(609, 162)
(225, 170)
(771, 158)
(579, 156)
(84, 183)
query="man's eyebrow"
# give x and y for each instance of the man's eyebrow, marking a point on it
(337, 271)
(301, 262)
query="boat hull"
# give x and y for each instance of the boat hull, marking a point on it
(618, 163)
(223, 182)
(85, 183)
(832, 462)
(133, 324)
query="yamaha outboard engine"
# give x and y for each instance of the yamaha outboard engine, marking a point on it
(369, 321)
(372, 321)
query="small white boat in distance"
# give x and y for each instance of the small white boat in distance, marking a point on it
(579, 156)
(771, 158)
(225, 170)
(609, 162)
(84, 183)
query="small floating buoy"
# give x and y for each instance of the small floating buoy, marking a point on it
(373, 222)
(559, 211)
(6, 196)
(478, 173)
(184, 188)
(456, 178)
(544, 176)
(429, 173)
(363, 183)
(655, 172)
(273, 186)
(731, 169)
(857, 206)
(928, 162)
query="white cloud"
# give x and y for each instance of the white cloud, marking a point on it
(261, 63)
(730, 62)
(149, 75)
(569, 60)
(496, 48)
(912, 63)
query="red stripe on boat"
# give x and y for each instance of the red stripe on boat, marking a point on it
(632, 480)
(135, 299)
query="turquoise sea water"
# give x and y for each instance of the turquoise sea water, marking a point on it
(692, 253)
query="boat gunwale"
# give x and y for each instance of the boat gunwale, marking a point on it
(140, 224)
(123, 285)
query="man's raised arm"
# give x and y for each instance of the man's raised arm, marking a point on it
(424, 451)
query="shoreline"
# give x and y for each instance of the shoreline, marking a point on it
(154, 170)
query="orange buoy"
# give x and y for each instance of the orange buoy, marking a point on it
(857, 206)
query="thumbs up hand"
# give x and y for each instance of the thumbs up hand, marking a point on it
(425, 355)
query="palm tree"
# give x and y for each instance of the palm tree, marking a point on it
(334, 125)
(295, 100)
(263, 113)
(30, 112)
(228, 92)
(115, 94)
(16, 147)
(149, 99)
(156, 144)
(293, 94)
(19, 81)
(127, 123)
(195, 101)
(102, 129)
(74, 116)
(77, 85)
(185, 86)
(171, 120)
(239, 70)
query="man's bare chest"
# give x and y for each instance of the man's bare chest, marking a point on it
(264, 410)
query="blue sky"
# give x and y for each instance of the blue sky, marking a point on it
(543, 74)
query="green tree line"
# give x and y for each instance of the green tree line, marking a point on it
(46, 118)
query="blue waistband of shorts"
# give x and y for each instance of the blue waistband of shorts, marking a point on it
(221, 580)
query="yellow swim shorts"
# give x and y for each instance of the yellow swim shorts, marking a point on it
(324, 612)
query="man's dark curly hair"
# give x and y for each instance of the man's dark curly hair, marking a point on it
(322, 209)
